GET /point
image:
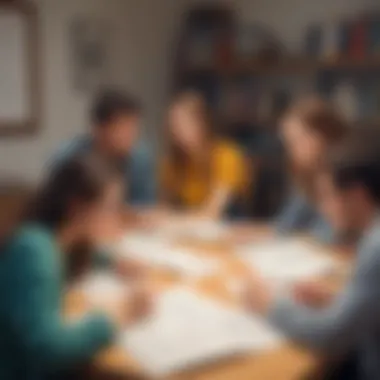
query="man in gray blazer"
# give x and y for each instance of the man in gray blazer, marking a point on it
(349, 195)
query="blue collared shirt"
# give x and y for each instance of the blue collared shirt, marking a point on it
(138, 166)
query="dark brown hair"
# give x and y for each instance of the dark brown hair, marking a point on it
(111, 103)
(321, 118)
(356, 161)
(176, 158)
(82, 179)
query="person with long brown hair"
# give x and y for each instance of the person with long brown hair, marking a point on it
(348, 190)
(74, 205)
(310, 129)
(200, 172)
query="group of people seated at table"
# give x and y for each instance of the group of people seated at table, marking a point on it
(334, 169)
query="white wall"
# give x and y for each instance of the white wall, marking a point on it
(144, 32)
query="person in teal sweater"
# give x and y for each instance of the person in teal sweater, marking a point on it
(73, 206)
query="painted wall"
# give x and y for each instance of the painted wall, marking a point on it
(144, 33)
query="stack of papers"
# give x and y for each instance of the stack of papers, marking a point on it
(188, 330)
(161, 253)
(288, 260)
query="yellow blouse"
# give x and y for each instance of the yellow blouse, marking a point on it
(192, 189)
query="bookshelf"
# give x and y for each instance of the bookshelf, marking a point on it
(288, 66)
(249, 79)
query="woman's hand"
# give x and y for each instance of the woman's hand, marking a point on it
(141, 304)
(257, 294)
(129, 309)
(131, 270)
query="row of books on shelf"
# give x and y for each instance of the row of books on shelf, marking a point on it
(209, 44)
(252, 99)
(356, 38)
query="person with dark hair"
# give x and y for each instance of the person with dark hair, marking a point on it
(311, 128)
(115, 117)
(348, 192)
(73, 206)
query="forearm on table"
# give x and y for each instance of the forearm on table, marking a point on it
(330, 330)
(58, 346)
(217, 203)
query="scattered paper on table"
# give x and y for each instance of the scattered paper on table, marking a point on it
(162, 253)
(101, 285)
(188, 329)
(288, 260)
(201, 229)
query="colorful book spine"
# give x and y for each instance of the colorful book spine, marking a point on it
(374, 36)
(344, 38)
(330, 41)
(313, 41)
(359, 39)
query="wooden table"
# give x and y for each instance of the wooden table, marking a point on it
(286, 363)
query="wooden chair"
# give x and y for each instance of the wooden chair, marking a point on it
(13, 197)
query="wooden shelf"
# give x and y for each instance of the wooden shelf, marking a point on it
(288, 67)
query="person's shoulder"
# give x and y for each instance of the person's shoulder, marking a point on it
(142, 152)
(228, 149)
(71, 148)
(371, 238)
(369, 246)
(30, 238)
(142, 147)
(31, 249)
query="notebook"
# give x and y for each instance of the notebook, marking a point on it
(188, 330)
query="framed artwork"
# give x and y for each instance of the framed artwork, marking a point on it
(90, 42)
(20, 93)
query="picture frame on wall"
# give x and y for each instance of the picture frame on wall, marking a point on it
(90, 53)
(20, 90)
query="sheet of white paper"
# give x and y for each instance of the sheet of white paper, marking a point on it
(187, 330)
(288, 260)
(99, 286)
(159, 252)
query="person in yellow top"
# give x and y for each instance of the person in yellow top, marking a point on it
(200, 172)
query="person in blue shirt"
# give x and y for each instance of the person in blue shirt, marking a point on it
(311, 128)
(348, 192)
(115, 118)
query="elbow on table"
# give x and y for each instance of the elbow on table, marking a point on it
(329, 342)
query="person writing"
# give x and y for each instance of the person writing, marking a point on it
(73, 206)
